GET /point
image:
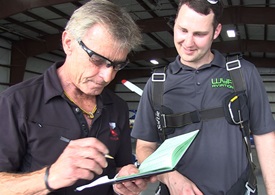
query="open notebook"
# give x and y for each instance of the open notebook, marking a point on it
(164, 159)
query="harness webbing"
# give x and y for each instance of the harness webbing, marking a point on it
(158, 77)
(233, 67)
(168, 120)
(180, 120)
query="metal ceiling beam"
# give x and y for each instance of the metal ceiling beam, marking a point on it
(18, 6)
(33, 47)
(232, 15)
(21, 50)
(224, 47)
(248, 15)
(53, 42)
(30, 28)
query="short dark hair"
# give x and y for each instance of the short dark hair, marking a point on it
(204, 7)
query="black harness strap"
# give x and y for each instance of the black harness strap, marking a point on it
(233, 66)
(158, 78)
(180, 120)
(166, 120)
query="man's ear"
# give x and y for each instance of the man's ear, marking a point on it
(217, 31)
(67, 42)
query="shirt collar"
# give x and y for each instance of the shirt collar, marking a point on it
(52, 83)
(218, 61)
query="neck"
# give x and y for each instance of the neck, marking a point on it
(87, 109)
(206, 59)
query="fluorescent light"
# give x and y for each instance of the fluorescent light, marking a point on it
(231, 33)
(154, 62)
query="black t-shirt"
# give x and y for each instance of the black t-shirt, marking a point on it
(35, 114)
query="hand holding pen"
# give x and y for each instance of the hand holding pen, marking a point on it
(81, 159)
(68, 140)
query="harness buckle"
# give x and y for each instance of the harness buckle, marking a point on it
(158, 77)
(249, 189)
(232, 65)
(240, 121)
(195, 116)
(164, 124)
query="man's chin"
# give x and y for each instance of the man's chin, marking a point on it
(96, 91)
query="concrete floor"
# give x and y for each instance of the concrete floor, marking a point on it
(152, 187)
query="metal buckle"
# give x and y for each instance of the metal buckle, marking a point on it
(249, 189)
(233, 67)
(164, 125)
(158, 77)
(231, 113)
(195, 116)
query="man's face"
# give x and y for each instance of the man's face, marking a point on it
(91, 75)
(193, 36)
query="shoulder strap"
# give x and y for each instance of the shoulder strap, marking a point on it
(158, 78)
(233, 66)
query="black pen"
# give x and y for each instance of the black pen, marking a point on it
(64, 139)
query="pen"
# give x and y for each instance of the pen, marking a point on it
(108, 156)
(64, 139)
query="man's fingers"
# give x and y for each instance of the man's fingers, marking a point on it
(90, 164)
(90, 142)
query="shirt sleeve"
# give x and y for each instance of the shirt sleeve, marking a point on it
(12, 140)
(261, 119)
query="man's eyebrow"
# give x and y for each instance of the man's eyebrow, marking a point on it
(201, 32)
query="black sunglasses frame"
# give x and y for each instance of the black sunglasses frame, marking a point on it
(116, 65)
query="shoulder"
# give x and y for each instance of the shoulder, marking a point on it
(23, 88)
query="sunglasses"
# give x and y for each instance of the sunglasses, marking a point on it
(213, 1)
(100, 60)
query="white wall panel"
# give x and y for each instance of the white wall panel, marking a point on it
(37, 65)
(4, 75)
(4, 56)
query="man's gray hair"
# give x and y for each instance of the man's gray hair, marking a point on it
(116, 19)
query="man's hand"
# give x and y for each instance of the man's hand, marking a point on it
(81, 159)
(179, 185)
(133, 187)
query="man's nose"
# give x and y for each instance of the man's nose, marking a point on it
(189, 40)
(107, 73)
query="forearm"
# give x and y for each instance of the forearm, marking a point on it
(27, 184)
(144, 149)
(265, 145)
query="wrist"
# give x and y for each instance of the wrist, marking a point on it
(46, 179)
(164, 178)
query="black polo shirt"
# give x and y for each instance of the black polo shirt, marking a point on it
(35, 114)
(217, 157)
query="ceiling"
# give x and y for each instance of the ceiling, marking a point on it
(33, 28)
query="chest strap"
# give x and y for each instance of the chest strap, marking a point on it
(182, 119)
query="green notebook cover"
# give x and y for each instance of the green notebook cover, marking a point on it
(164, 159)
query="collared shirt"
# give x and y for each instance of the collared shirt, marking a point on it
(35, 114)
(217, 157)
